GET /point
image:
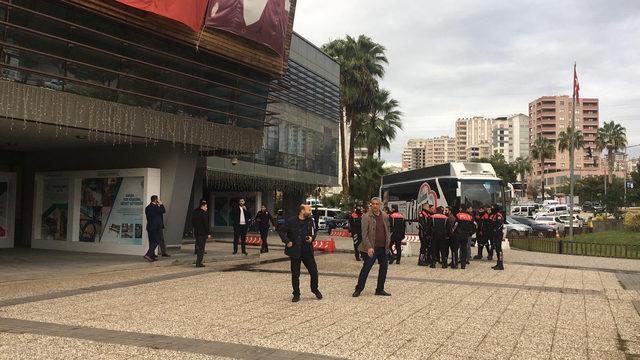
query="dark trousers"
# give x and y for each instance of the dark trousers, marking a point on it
(484, 241)
(201, 241)
(264, 234)
(397, 242)
(310, 263)
(425, 250)
(496, 241)
(357, 239)
(161, 243)
(380, 254)
(463, 244)
(240, 235)
(154, 239)
(440, 250)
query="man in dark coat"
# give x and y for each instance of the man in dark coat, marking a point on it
(439, 249)
(264, 220)
(200, 223)
(154, 212)
(298, 234)
(463, 228)
(398, 226)
(240, 218)
(355, 228)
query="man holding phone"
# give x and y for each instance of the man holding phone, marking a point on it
(298, 233)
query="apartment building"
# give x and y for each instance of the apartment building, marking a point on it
(480, 137)
(421, 153)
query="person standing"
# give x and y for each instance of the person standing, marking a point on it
(497, 225)
(375, 242)
(440, 250)
(240, 218)
(355, 228)
(298, 234)
(481, 218)
(462, 230)
(153, 212)
(162, 245)
(200, 223)
(451, 221)
(424, 229)
(264, 220)
(398, 227)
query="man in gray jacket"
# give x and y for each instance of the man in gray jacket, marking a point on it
(375, 242)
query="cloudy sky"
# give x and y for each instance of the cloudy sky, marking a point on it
(460, 58)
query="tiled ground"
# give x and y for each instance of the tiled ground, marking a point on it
(524, 312)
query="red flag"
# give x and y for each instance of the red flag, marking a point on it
(576, 85)
(188, 12)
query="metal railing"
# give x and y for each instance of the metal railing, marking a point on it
(561, 246)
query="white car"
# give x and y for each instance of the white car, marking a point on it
(548, 220)
(563, 222)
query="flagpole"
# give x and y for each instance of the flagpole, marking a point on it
(572, 155)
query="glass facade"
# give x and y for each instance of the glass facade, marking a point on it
(50, 44)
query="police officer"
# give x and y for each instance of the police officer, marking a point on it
(264, 220)
(482, 235)
(497, 224)
(355, 227)
(462, 230)
(397, 227)
(451, 221)
(424, 230)
(439, 248)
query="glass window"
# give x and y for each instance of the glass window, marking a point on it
(481, 193)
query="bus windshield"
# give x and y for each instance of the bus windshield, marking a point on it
(481, 193)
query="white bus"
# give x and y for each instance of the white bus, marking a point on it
(451, 184)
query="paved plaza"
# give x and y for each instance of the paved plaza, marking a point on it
(542, 306)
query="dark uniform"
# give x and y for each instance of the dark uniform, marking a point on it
(440, 247)
(264, 221)
(398, 228)
(451, 221)
(425, 225)
(462, 231)
(497, 224)
(484, 239)
(355, 227)
(296, 231)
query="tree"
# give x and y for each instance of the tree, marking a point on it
(564, 140)
(361, 65)
(522, 166)
(366, 181)
(541, 150)
(503, 169)
(379, 127)
(612, 137)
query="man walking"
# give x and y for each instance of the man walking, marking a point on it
(375, 241)
(240, 218)
(153, 212)
(200, 223)
(298, 233)
(264, 220)
(398, 229)
(355, 227)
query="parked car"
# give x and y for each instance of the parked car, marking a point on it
(563, 222)
(548, 220)
(554, 210)
(577, 209)
(592, 206)
(514, 228)
(527, 210)
(340, 221)
(325, 214)
(540, 230)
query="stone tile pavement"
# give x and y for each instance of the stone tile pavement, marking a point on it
(529, 311)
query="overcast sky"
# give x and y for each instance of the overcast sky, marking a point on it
(460, 58)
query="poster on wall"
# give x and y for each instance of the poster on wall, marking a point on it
(55, 209)
(112, 209)
(4, 209)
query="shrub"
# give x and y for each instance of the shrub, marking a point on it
(632, 221)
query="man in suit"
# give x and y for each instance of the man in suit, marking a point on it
(298, 233)
(240, 218)
(154, 212)
(200, 223)
(375, 242)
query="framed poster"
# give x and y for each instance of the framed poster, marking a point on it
(55, 209)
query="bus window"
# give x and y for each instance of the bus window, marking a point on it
(481, 193)
(449, 186)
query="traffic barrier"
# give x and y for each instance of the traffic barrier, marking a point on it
(254, 240)
(325, 245)
(340, 233)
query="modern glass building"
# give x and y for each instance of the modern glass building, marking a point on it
(103, 105)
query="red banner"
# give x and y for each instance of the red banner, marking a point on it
(188, 12)
(262, 21)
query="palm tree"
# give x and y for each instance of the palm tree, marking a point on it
(541, 150)
(564, 140)
(523, 166)
(361, 65)
(613, 138)
(367, 178)
(379, 128)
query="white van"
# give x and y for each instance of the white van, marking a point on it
(555, 210)
(527, 210)
(325, 214)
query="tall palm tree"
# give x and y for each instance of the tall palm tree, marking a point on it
(613, 138)
(523, 166)
(541, 150)
(379, 128)
(361, 65)
(564, 140)
(367, 178)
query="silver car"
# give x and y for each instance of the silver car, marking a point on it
(514, 228)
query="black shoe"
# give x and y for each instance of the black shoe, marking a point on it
(245, 253)
(382, 293)
(356, 293)
(468, 262)
(199, 265)
(444, 265)
(149, 258)
(318, 294)
(433, 265)
(397, 262)
(454, 266)
(358, 259)
(490, 257)
(295, 298)
(166, 255)
(463, 267)
(477, 257)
